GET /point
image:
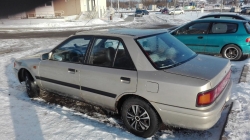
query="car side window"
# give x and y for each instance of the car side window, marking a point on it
(123, 59)
(110, 53)
(72, 51)
(222, 28)
(196, 28)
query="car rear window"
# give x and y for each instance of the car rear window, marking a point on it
(247, 27)
(165, 51)
(222, 28)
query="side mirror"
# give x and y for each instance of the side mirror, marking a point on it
(45, 56)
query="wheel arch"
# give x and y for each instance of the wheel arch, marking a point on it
(21, 74)
(229, 44)
(123, 98)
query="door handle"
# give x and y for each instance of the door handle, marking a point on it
(125, 80)
(200, 37)
(71, 71)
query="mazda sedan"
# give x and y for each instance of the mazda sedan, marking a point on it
(147, 76)
(230, 38)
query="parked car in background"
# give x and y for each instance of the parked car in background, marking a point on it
(176, 11)
(245, 10)
(165, 11)
(138, 13)
(232, 9)
(219, 16)
(140, 74)
(230, 38)
(145, 12)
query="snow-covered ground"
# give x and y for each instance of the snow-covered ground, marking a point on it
(23, 118)
(69, 23)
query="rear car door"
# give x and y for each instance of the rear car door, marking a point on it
(60, 74)
(193, 35)
(108, 73)
(220, 34)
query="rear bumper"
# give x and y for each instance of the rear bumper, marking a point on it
(194, 119)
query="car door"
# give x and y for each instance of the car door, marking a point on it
(220, 35)
(60, 74)
(109, 72)
(193, 35)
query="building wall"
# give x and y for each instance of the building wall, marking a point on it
(83, 4)
(45, 10)
(102, 7)
(69, 7)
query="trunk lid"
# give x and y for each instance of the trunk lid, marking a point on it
(203, 67)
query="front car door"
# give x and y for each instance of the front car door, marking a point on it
(193, 35)
(60, 74)
(109, 72)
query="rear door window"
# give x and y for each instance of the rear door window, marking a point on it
(110, 53)
(223, 28)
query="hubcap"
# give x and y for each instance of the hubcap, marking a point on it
(138, 118)
(231, 53)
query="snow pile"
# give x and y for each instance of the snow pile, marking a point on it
(182, 18)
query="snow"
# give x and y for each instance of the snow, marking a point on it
(25, 118)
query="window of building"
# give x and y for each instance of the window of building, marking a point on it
(48, 3)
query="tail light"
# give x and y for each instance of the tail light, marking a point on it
(14, 64)
(208, 97)
(248, 40)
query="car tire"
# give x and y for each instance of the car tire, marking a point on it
(32, 89)
(232, 52)
(133, 121)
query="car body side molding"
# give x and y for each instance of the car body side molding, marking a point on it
(77, 87)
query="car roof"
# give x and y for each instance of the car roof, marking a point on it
(220, 14)
(222, 20)
(226, 14)
(121, 32)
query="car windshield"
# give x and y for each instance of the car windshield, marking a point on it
(165, 51)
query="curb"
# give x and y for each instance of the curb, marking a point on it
(243, 76)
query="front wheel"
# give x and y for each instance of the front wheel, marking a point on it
(139, 117)
(232, 52)
(31, 87)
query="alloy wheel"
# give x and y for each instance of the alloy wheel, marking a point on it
(138, 118)
(231, 53)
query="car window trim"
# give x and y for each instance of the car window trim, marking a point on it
(87, 56)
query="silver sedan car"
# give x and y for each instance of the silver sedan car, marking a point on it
(147, 76)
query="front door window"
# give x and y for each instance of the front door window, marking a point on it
(72, 51)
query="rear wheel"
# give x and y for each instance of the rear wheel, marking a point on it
(232, 52)
(139, 117)
(31, 87)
